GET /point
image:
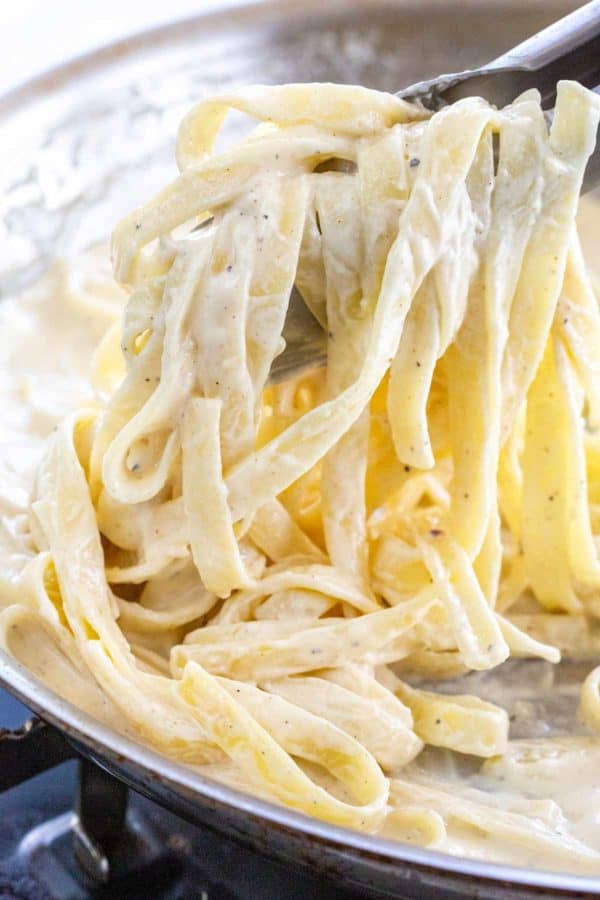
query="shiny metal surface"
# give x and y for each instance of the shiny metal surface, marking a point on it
(568, 48)
(72, 146)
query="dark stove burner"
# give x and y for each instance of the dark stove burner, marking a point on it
(75, 832)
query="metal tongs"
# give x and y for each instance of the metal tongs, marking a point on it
(567, 49)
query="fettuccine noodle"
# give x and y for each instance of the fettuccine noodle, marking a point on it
(232, 570)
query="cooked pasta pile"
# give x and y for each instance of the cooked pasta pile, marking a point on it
(255, 576)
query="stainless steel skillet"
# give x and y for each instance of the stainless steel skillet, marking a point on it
(61, 191)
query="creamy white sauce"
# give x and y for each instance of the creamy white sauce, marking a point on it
(47, 341)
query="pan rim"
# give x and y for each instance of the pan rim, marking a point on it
(105, 744)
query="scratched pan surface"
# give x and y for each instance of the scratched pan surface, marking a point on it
(72, 146)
